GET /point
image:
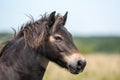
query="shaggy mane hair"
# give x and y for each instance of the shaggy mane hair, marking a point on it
(32, 32)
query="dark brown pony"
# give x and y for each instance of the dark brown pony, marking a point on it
(26, 56)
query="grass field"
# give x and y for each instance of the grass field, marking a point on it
(99, 67)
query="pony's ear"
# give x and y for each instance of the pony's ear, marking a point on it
(65, 18)
(51, 19)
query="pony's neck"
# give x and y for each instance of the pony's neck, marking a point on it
(44, 63)
(36, 61)
(25, 61)
(36, 65)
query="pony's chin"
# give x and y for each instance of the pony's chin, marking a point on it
(74, 70)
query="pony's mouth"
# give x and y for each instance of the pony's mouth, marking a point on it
(75, 70)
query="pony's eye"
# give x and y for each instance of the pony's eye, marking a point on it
(58, 38)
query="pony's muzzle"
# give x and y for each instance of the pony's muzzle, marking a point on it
(76, 63)
(79, 67)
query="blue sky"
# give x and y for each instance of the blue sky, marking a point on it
(85, 17)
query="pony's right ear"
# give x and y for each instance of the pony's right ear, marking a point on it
(51, 19)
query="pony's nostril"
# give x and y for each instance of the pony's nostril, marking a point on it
(81, 64)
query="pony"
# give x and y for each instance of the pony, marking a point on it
(27, 54)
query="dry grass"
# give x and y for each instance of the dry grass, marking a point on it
(99, 67)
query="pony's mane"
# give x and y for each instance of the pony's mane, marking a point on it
(32, 32)
(31, 24)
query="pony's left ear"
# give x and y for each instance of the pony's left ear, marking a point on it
(65, 18)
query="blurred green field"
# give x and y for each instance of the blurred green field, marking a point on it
(4, 37)
(98, 44)
(102, 55)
